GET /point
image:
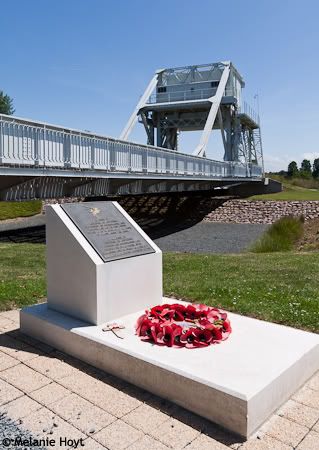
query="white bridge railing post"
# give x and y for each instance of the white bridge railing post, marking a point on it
(43, 146)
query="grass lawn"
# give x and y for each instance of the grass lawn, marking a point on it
(22, 274)
(279, 287)
(11, 210)
(290, 192)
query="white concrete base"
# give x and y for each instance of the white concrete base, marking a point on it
(237, 384)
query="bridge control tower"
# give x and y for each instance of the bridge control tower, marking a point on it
(200, 98)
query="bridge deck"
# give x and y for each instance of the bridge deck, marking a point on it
(41, 160)
(26, 144)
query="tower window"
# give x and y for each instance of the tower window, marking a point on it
(214, 84)
(161, 89)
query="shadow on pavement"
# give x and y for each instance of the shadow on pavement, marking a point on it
(157, 215)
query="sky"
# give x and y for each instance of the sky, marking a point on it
(84, 64)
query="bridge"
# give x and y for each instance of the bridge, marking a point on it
(40, 160)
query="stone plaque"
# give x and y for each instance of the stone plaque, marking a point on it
(107, 230)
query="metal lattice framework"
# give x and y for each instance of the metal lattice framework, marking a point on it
(202, 97)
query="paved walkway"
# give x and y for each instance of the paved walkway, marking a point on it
(55, 396)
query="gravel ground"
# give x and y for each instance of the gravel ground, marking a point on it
(11, 435)
(205, 237)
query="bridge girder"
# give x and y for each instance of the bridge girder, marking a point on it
(48, 187)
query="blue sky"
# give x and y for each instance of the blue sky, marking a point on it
(84, 64)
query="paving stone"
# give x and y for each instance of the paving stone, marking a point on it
(24, 378)
(313, 383)
(101, 394)
(80, 383)
(91, 444)
(203, 442)
(162, 404)
(291, 433)
(311, 442)
(17, 349)
(40, 424)
(27, 354)
(13, 315)
(51, 367)
(297, 412)
(175, 434)
(50, 393)
(308, 397)
(67, 359)
(45, 348)
(7, 361)
(193, 420)
(117, 436)
(8, 392)
(207, 428)
(10, 345)
(148, 443)
(8, 326)
(20, 407)
(127, 388)
(4, 321)
(114, 401)
(82, 414)
(265, 443)
(145, 418)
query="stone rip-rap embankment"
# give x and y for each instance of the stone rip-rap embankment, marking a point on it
(245, 211)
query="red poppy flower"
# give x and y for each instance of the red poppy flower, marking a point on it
(202, 338)
(161, 325)
(187, 337)
(169, 335)
(156, 311)
(192, 313)
(202, 310)
(214, 314)
(156, 330)
(217, 333)
(139, 324)
(179, 312)
(167, 314)
(146, 330)
(176, 336)
(226, 329)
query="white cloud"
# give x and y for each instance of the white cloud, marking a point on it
(276, 163)
(310, 155)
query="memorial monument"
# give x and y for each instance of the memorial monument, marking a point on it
(103, 269)
(100, 264)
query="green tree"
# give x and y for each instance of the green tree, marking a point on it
(315, 168)
(292, 169)
(6, 104)
(305, 169)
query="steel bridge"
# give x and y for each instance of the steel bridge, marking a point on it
(40, 160)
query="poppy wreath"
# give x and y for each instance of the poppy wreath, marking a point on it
(177, 325)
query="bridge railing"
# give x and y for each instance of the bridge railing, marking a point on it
(25, 143)
(185, 95)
